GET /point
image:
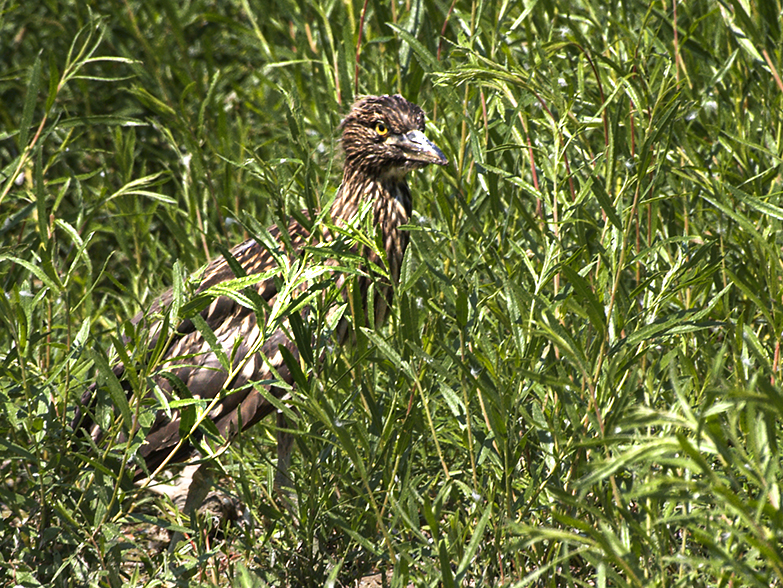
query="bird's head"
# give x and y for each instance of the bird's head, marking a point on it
(383, 136)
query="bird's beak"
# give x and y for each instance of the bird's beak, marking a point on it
(419, 148)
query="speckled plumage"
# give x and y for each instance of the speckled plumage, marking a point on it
(382, 138)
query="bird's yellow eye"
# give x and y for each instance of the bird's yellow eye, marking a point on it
(381, 128)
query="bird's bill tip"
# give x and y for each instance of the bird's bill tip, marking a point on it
(419, 148)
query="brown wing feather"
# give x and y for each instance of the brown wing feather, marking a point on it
(190, 358)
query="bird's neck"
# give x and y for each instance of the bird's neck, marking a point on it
(391, 207)
(390, 197)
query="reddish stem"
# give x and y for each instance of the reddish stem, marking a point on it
(359, 49)
(443, 29)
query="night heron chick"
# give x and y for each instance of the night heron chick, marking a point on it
(382, 139)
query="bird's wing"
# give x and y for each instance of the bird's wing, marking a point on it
(251, 256)
(190, 358)
(253, 356)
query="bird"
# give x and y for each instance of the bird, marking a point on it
(382, 141)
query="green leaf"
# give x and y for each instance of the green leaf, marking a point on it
(30, 101)
(118, 396)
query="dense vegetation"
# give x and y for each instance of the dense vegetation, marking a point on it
(580, 385)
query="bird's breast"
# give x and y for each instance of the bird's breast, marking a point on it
(392, 210)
